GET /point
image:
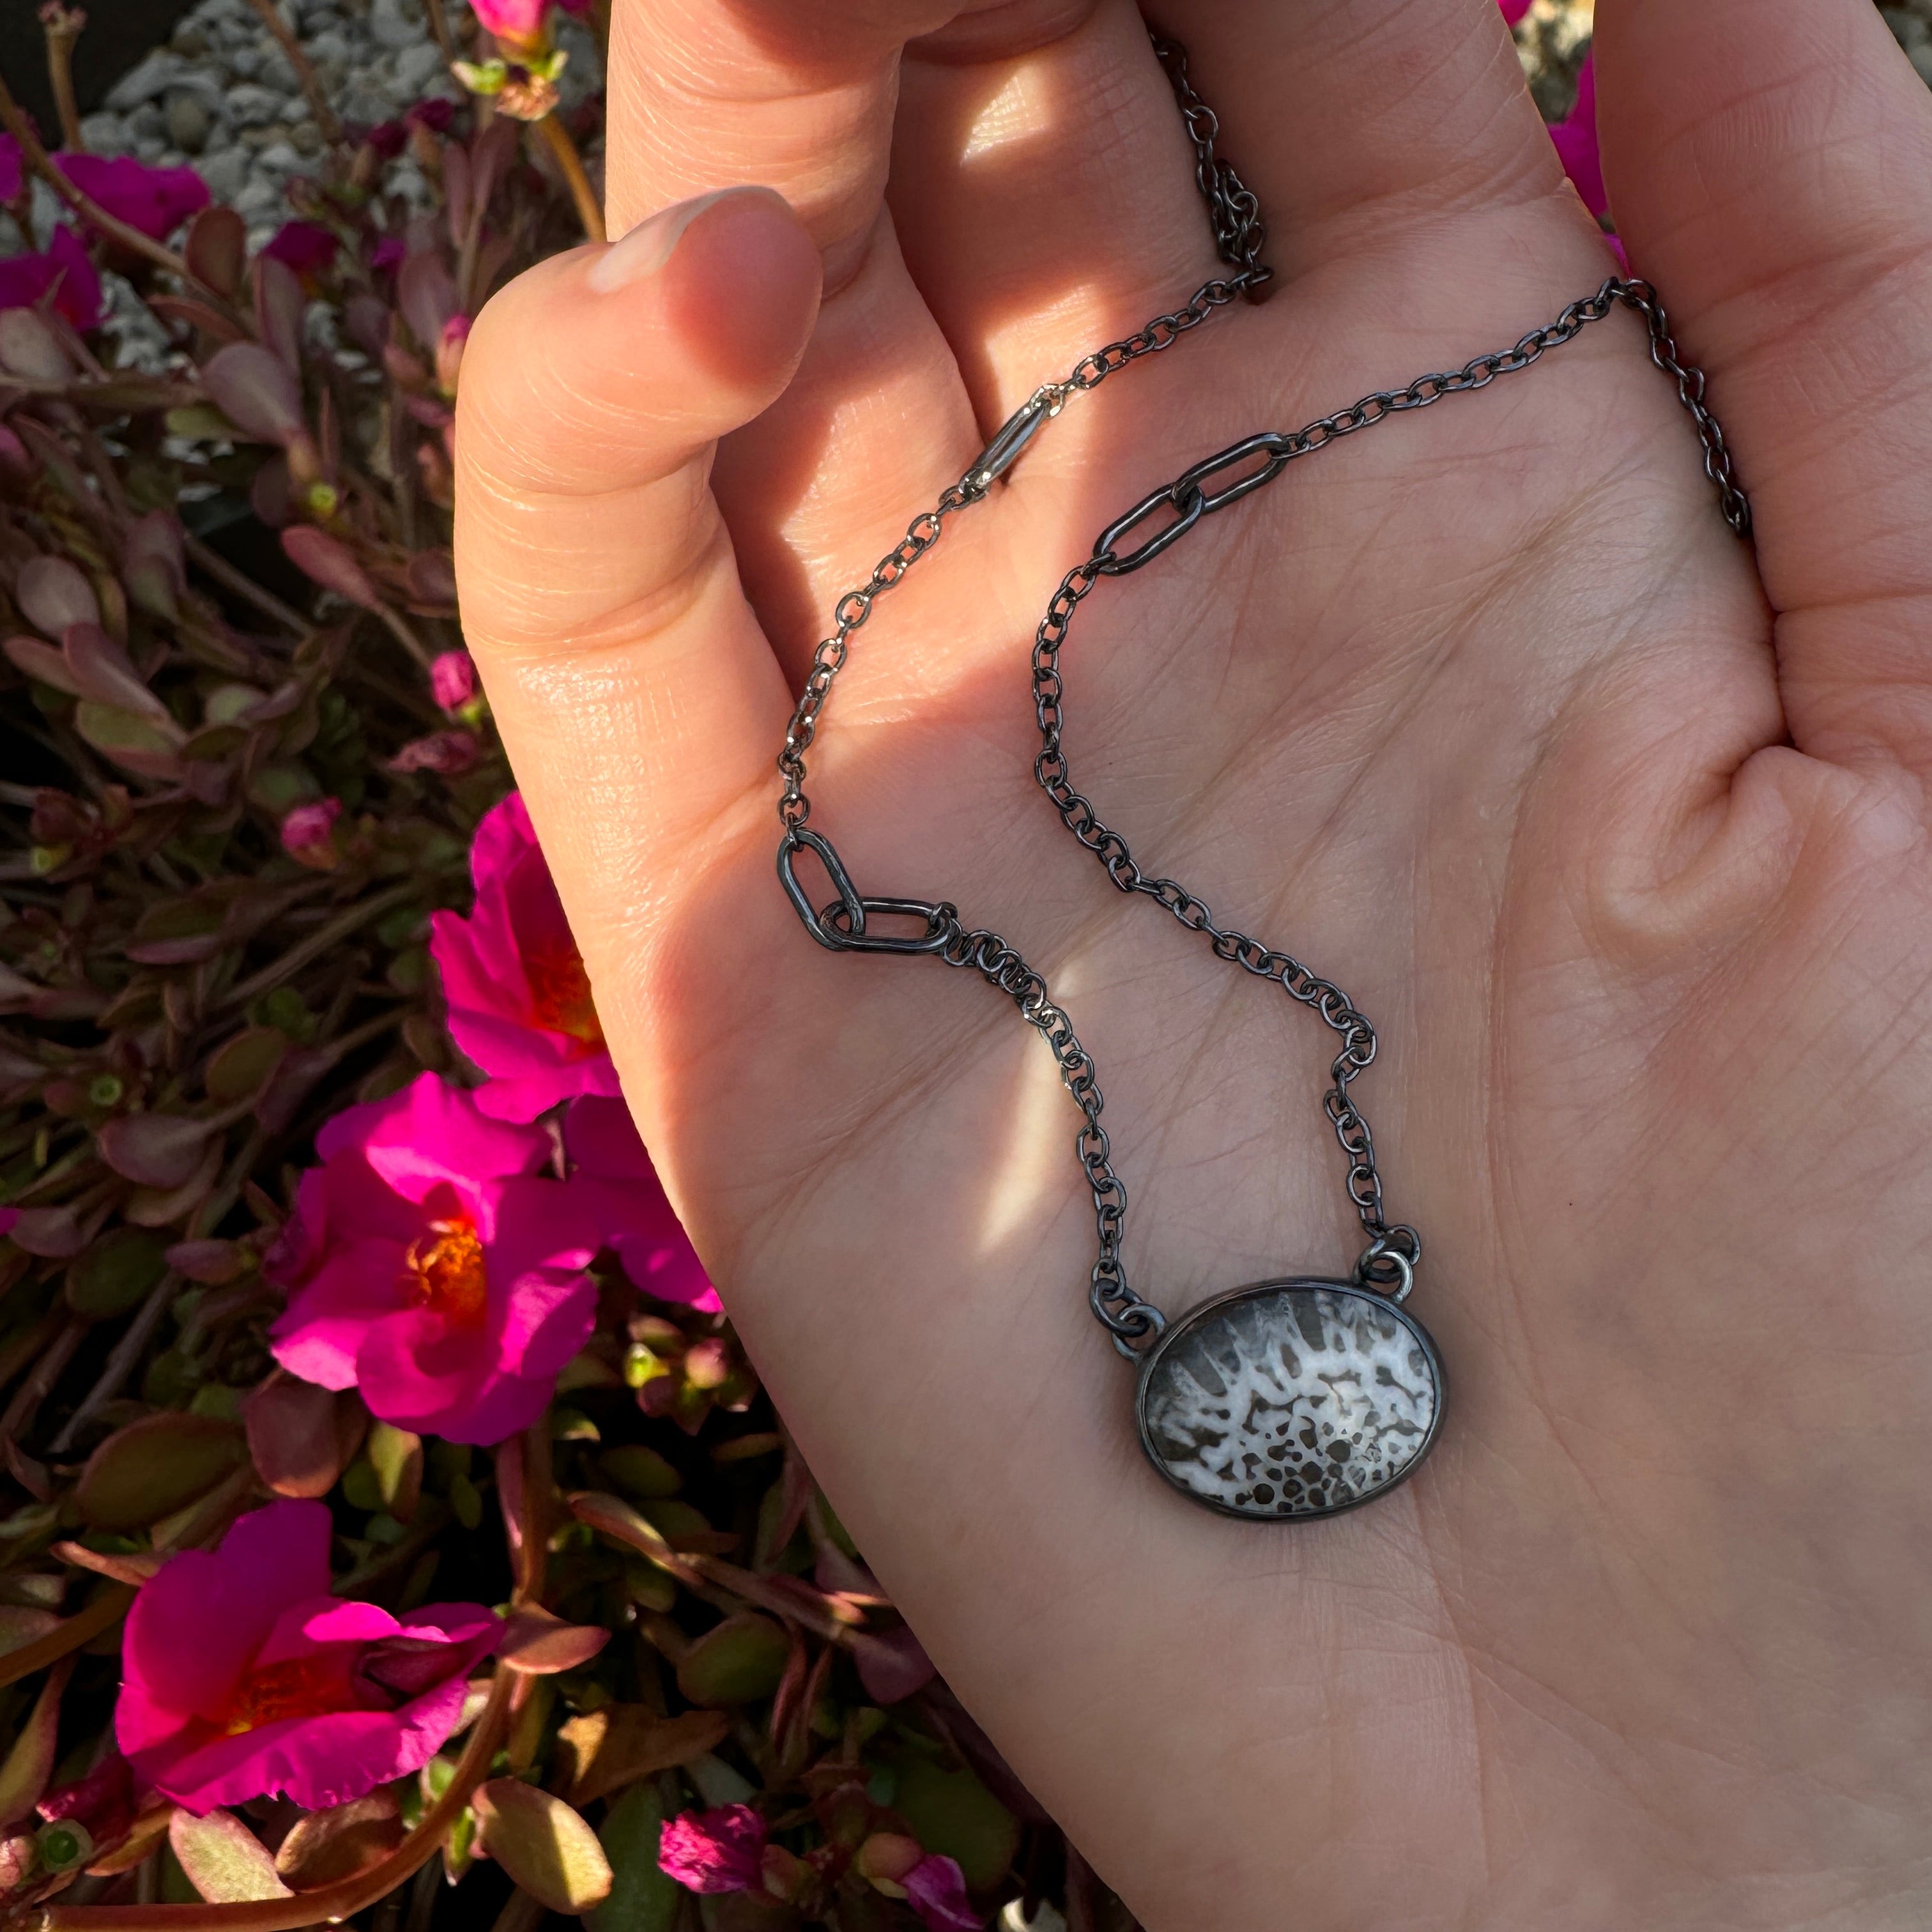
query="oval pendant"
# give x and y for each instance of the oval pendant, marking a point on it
(1291, 1398)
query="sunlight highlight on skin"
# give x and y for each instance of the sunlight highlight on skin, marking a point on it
(1017, 111)
(1025, 1176)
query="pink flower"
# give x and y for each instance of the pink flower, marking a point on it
(308, 833)
(452, 679)
(1514, 10)
(242, 1677)
(10, 167)
(306, 247)
(66, 269)
(1575, 140)
(8, 1215)
(621, 1194)
(936, 1888)
(429, 1267)
(715, 1851)
(155, 200)
(520, 1003)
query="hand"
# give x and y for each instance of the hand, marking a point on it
(1618, 831)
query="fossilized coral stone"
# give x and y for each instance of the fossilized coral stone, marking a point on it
(1291, 1398)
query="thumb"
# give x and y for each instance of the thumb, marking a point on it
(632, 685)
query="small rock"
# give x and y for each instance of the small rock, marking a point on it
(188, 121)
(151, 150)
(365, 104)
(103, 134)
(250, 106)
(416, 67)
(1921, 58)
(225, 172)
(147, 123)
(146, 78)
(190, 41)
(305, 137)
(275, 71)
(331, 44)
(255, 138)
(245, 63)
(260, 200)
(280, 158)
(396, 23)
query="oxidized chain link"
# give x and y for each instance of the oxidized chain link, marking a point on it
(1238, 235)
(1393, 1250)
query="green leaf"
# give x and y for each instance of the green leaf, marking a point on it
(31, 1762)
(325, 1847)
(640, 1473)
(540, 1645)
(614, 1746)
(736, 1662)
(952, 1813)
(643, 1897)
(243, 1065)
(224, 1861)
(397, 1457)
(143, 745)
(116, 1274)
(154, 1467)
(544, 1845)
(301, 1435)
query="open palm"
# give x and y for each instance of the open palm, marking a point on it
(1615, 827)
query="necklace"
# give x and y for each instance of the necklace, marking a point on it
(1286, 1399)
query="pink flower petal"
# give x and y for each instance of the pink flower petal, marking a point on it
(714, 1851)
(418, 1372)
(431, 1134)
(318, 1335)
(936, 1889)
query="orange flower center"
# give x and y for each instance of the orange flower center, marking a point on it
(298, 1687)
(560, 995)
(446, 1272)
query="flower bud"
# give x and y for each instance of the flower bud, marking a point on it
(452, 679)
(449, 352)
(308, 834)
(884, 1859)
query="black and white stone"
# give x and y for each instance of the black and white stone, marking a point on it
(1291, 1398)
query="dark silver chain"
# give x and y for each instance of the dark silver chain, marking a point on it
(1238, 235)
(1393, 1250)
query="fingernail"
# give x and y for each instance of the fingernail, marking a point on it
(645, 249)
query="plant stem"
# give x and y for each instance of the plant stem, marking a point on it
(211, 563)
(318, 943)
(22, 1410)
(403, 635)
(299, 59)
(121, 1362)
(62, 28)
(438, 25)
(564, 149)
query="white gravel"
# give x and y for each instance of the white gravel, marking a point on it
(222, 97)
